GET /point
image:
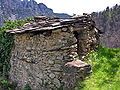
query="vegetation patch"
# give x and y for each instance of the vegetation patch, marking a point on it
(6, 43)
(106, 70)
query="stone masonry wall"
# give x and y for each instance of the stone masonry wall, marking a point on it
(52, 59)
(39, 60)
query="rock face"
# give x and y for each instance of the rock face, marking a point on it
(47, 53)
(17, 9)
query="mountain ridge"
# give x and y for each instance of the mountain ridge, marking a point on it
(17, 9)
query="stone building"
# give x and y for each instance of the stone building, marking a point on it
(48, 52)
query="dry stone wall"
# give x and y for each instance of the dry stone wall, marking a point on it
(48, 59)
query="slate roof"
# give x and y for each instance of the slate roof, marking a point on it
(42, 23)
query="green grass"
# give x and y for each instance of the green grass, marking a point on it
(106, 70)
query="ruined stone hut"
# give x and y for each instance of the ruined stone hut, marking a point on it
(47, 52)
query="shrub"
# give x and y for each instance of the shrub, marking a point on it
(27, 87)
(6, 43)
(7, 85)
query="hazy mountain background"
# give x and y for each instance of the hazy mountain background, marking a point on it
(107, 20)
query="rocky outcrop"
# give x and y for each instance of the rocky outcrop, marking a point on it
(47, 52)
(17, 9)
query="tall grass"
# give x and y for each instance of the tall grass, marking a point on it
(106, 70)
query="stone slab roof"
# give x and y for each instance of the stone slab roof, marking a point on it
(42, 23)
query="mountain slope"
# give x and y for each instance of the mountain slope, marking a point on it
(109, 22)
(17, 9)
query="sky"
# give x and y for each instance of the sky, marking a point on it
(78, 6)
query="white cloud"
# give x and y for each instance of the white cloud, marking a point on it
(78, 6)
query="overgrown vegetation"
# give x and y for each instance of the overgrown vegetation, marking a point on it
(106, 70)
(27, 87)
(6, 43)
(7, 85)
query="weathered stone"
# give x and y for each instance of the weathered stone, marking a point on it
(52, 75)
(28, 48)
(50, 61)
(40, 75)
(56, 82)
(64, 29)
